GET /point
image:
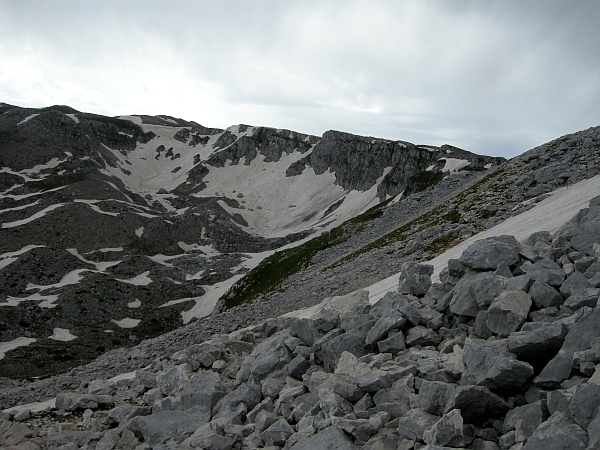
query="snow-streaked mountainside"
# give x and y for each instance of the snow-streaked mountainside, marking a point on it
(115, 230)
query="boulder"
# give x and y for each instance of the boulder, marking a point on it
(400, 302)
(557, 432)
(306, 330)
(391, 319)
(160, 427)
(576, 283)
(415, 278)
(70, 401)
(508, 312)
(446, 431)
(539, 344)
(330, 350)
(489, 364)
(414, 423)
(476, 291)
(421, 336)
(579, 338)
(246, 393)
(204, 389)
(173, 380)
(278, 433)
(331, 438)
(547, 271)
(270, 355)
(586, 297)
(213, 441)
(476, 403)
(434, 395)
(393, 344)
(588, 232)
(543, 295)
(584, 405)
(533, 414)
(487, 254)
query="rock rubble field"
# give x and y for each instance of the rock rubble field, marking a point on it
(500, 353)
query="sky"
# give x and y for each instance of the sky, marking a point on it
(492, 77)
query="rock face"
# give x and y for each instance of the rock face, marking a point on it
(322, 382)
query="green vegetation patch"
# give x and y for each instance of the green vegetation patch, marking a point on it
(422, 180)
(272, 271)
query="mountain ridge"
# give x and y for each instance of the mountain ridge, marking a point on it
(162, 213)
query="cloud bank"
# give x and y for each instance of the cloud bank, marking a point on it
(494, 77)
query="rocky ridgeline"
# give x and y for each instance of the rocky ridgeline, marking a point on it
(501, 352)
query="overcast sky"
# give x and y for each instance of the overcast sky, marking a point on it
(493, 77)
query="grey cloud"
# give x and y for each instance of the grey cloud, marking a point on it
(494, 77)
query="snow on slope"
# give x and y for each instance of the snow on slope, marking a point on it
(549, 215)
(274, 205)
(148, 174)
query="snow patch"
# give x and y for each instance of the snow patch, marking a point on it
(100, 266)
(18, 208)
(134, 304)
(73, 117)
(430, 168)
(127, 322)
(46, 301)
(110, 249)
(454, 165)
(140, 280)
(488, 166)
(37, 169)
(139, 232)
(10, 257)
(34, 407)
(72, 277)
(27, 119)
(62, 334)
(177, 301)
(92, 204)
(37, 215)
(15, 343)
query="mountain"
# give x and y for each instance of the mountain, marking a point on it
(118, 229)
(491, 344)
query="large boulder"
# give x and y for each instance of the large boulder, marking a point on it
(476, 291)
(270, 355)
(173, 380)
(487, 254)
(415, 278)
(477, 404)
(508, 312)
(446, 431)
(545, 270)
(579, 338)
(539, 344)
(557, 432)
(588, 232)
(392, 319)
(331, 438)
(71, 401)
(399, 302)
(489, 364)
(204, 389)
(160, 427)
